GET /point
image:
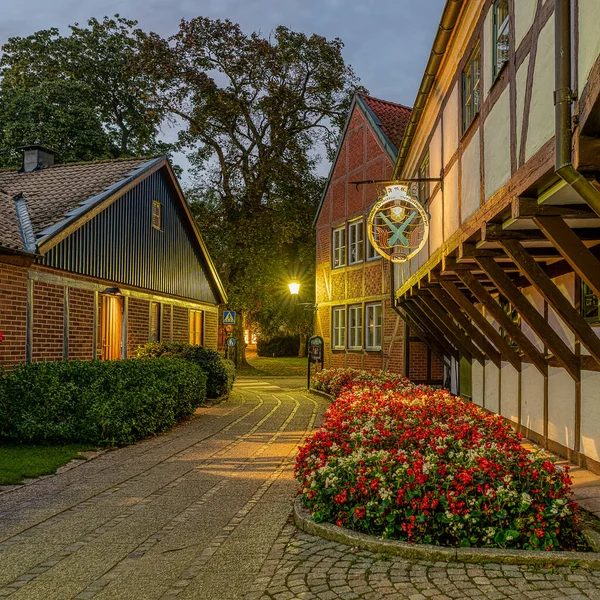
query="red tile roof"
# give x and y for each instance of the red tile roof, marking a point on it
(394, 117)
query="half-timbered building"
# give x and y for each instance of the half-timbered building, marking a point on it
(506, 290)
(99, 258)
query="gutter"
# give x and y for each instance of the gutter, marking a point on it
(440, 45)
(563, 99)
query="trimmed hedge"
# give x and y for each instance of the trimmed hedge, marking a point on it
(220, 371)
(100, 402)
(279, 345)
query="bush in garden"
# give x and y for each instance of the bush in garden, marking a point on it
(334, 381)
(424, 466)
(279, 345)
(220, 371)
(100, 402)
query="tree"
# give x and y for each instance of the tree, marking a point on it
(77, 93)
(254, 111)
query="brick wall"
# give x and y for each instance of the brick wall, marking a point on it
(181, 324)
(13, 314)
(138, 324)
(48, 321)
(211, 329)
(166, 325)
(418, 361)
(81, 324)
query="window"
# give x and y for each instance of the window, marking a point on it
(590, 309)
(155, 318)
(196, 327)
(355, 242)
(355, 327)
(500, 35)
(372, 254)
(339, 327)
(373, 323)
(339, 247)
(470, 88)
(156, 215)
(423, 185)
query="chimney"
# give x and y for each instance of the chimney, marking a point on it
(36, 157)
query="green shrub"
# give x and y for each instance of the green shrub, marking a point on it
(101, 402)
(220, 372)
(279, 345)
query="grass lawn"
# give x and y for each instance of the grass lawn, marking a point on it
(22, 461)
(263, 366)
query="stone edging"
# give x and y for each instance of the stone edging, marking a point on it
(304, 521)
(322, 394)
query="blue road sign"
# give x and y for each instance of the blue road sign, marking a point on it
(229, 317)
(231, 342)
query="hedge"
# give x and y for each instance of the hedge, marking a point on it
(100, 402)
(280, 345)
(220, 371)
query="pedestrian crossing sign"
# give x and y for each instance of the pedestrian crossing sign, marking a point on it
(229, 317)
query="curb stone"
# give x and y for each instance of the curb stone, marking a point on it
(322, 394)
(304, 521)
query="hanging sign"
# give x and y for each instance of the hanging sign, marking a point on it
(398, 224)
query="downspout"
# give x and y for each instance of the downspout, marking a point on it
(563, 99)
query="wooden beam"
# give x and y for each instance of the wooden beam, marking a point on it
(531, 315)
(513, 330)
(527, 208)
(472, 331)
(557, 300)
(486, 327)
(573, 250)
(426, 339)
(493, 232)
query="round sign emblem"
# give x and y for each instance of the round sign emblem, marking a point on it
(231, 342)
(398, 224)
(228, 328)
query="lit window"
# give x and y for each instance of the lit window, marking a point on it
(373, 324)
(339, 247)
(355, 327)
(470, 88)
(156, 214)
(196, 327)
(155, 321)
(500, 36)
(355, 242)
(589, 304)
(339, 327)
(424, 185)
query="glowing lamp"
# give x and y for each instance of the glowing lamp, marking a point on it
(294, 288)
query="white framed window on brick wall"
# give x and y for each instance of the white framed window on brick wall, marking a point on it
(355, 327)
(372, 254)
(338, 320)
(356, 242)
(373, 326)
(339, 247)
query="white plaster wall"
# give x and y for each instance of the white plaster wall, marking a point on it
(532, 398)
(566, 284)
(470, 178)
(541, 116)
(486, 54)
(561, 407)
(521, 88)
(451, 218)
(589, 38)
(509, 405)
(492, 387)
(497, 145)
(451, 124)
(435, 230)
(477, 383)
(536, 299)
(435, 152)
(590, 414)
(524, 16)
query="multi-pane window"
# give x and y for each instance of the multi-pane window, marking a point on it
(355, 242)
(339, 327)
(372, 254)
(500, 36)
(156, 214)
(590, 308)
(423, 185)
(196, 327)
(471, 85)
(373, 325)
(155, 318)
(339, 247)
(355, 327)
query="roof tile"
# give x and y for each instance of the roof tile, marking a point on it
(394, 117)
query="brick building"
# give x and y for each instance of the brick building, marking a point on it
(99, 258)
(354, 314)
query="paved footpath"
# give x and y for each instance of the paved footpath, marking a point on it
(203, 512)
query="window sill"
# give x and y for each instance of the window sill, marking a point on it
(499, 75)
(353, 264)
(372, 349)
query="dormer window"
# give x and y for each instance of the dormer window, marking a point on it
(156, 215)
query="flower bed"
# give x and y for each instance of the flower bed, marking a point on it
(334, 381)
(421, 465)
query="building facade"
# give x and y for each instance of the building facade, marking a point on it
(354, 313)
(508, 119)
(97, 259)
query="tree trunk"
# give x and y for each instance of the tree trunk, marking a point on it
(302, 348)
(239, 350)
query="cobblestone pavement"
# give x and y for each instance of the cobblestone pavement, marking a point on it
(203, 512)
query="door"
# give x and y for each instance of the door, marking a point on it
(112, 327)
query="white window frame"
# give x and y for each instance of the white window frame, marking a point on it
(372, 254)
(356, 243)
(338, 256)
(338, 329)
(355, 327)
(374, 330)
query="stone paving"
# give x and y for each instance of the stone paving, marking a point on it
(204, 512)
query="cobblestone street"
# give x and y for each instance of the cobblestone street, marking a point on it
(204, 512)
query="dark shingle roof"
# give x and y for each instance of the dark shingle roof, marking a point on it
(54, 194)
(393, 117)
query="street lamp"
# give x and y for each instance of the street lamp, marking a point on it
(294, 288)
